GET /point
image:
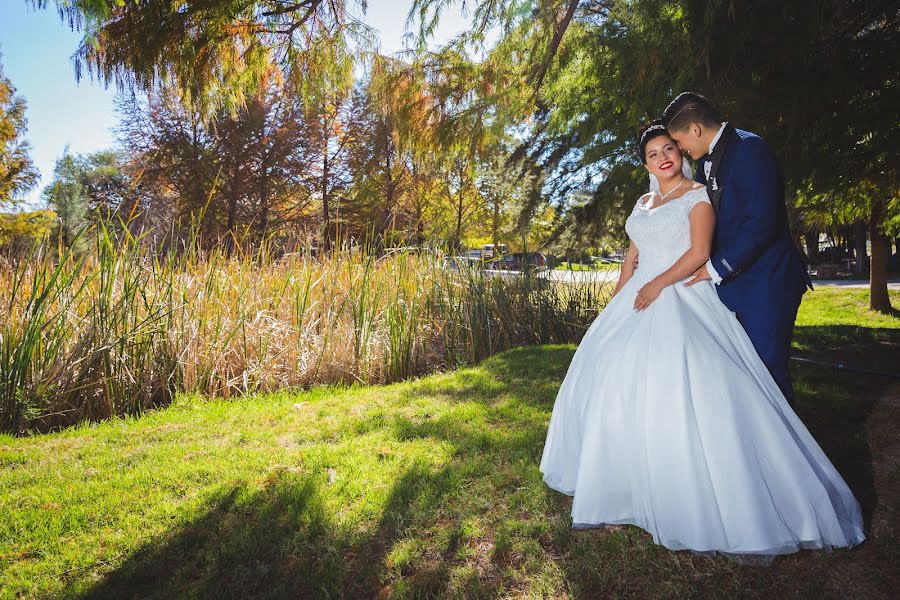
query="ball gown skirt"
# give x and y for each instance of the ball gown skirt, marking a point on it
(668, 420)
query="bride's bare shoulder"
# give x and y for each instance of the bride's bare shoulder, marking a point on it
(697, 185)
(646, 197)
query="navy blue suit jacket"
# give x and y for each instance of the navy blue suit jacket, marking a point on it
(753, 251)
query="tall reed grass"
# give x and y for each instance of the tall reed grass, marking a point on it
(118, 330)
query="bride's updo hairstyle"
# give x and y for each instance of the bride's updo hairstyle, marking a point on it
(651, 130)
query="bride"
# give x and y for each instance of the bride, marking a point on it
(668, 419)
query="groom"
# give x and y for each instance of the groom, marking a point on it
(757, 269)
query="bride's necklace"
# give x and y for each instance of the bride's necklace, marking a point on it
(666, 195)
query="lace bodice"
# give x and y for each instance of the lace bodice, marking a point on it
(662, 233)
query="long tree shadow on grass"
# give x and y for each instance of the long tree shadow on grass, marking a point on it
(531, 375)
(866, 348)
(482, 524)
(278, 542)
(836, 409)
(837, 405)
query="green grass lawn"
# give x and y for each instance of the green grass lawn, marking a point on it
(427, 488)
(835, 324)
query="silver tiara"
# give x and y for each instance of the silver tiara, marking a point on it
(649, 129)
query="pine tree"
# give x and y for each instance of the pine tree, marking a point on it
(67, 196)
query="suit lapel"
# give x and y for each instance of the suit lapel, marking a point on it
(713, 189)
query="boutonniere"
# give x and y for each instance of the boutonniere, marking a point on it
(715, 184)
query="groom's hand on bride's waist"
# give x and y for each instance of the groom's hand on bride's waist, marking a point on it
(699, 275)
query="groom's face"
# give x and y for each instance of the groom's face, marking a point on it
(689, 140)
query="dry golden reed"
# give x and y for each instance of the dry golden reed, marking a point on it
(116, 330)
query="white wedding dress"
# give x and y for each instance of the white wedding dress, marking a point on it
(668, 419)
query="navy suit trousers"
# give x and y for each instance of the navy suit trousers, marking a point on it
(771, 333)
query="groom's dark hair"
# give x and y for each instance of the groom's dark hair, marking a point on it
(687, 108)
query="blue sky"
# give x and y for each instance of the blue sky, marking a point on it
(36, 56)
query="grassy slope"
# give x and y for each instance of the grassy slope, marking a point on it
(424, 488)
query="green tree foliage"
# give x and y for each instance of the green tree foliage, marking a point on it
(67, 196)
(328, 116)
(87, 188)
(483, 97)
(106, 182)
(216, 56)
(380, 170)
(454, 126)
(17, 172)
(214, 53)
(20, 230)
(817, 79)
(401, 95)
(570, 80)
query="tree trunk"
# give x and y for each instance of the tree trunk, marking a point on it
(812, 245)
(460, 208)
(540, 69)
(265, 149)
(389, 192)
(879, 299)
(859, 239)
(326, 222)
(495, 224)
(457, 242)
(263, 202)
(231, 227)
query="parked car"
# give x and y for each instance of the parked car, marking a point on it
(520, 261)
(611, 259)
(459, 263)
(494, 250)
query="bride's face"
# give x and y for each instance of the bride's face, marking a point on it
(663, 157)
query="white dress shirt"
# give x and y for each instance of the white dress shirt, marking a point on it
(707, 167)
